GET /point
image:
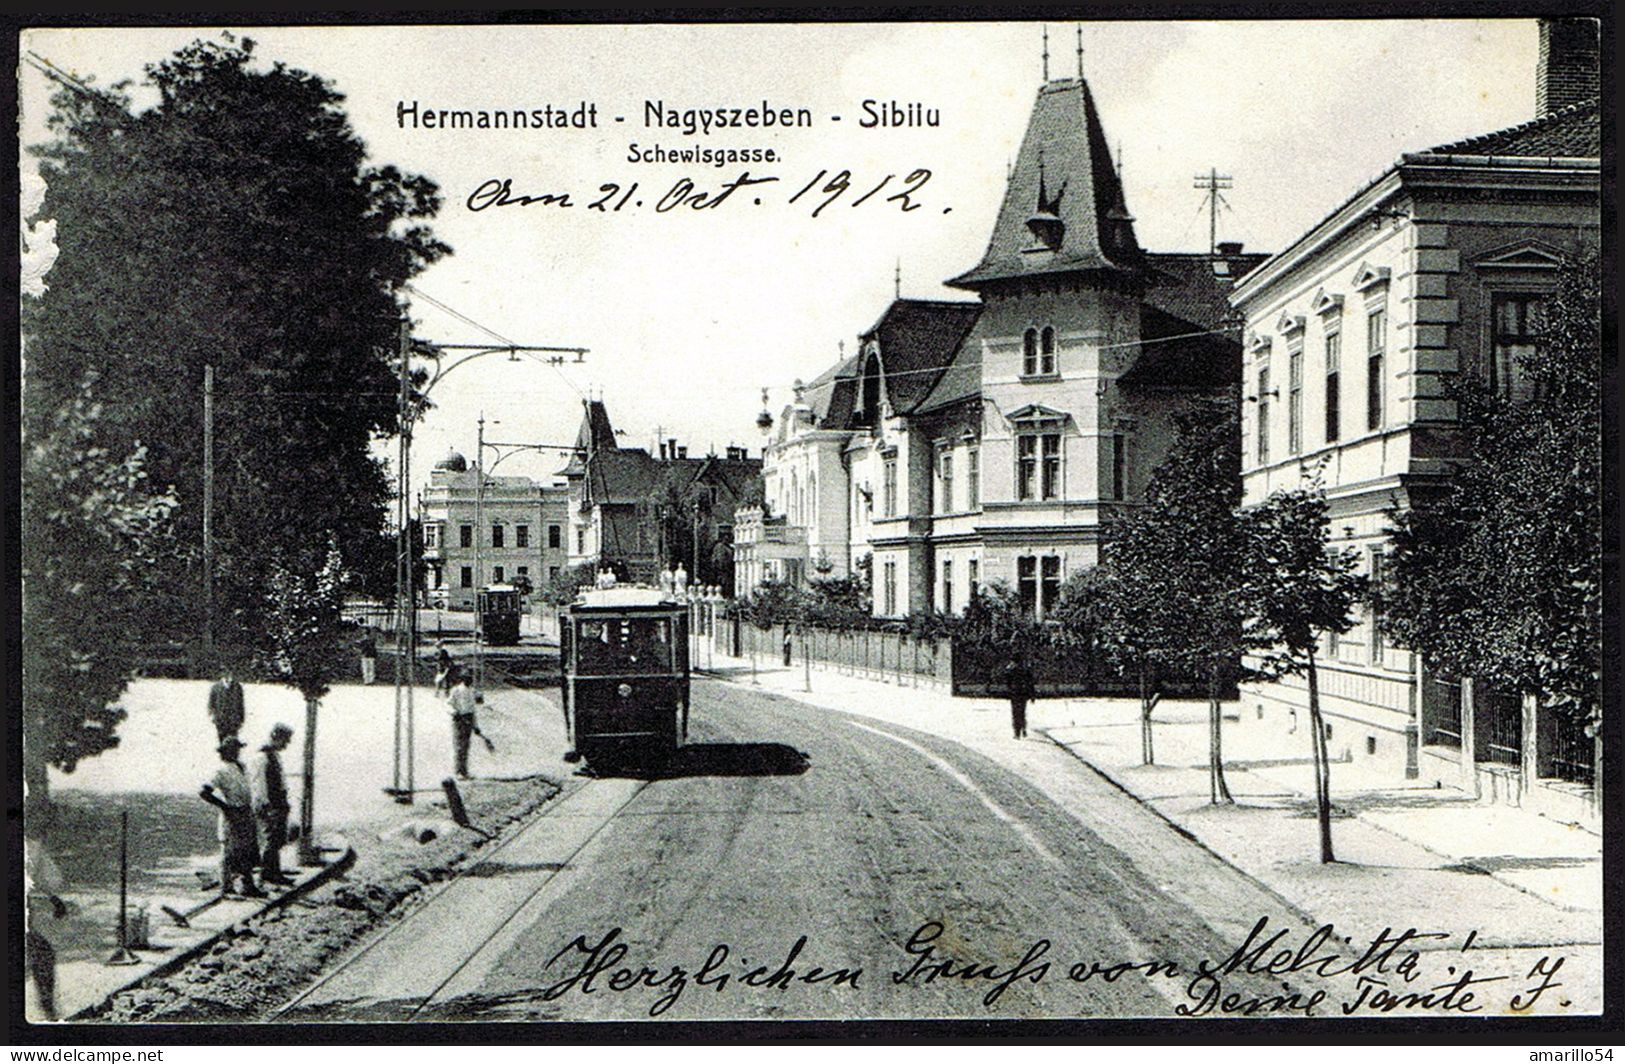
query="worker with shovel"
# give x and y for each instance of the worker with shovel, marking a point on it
(229, 792)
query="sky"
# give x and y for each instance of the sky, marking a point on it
(688, 314)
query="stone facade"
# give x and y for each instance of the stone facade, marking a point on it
(1352, 335)
(518, 524)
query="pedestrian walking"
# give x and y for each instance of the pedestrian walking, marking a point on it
(369, 657)
(442, 670)
(46, 912)
(271, 806)
(229, 792)
(1018, 687)
(226, 705)
(463, 723)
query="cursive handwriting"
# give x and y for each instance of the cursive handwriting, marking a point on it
(823, 190)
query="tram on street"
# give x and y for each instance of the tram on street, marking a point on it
(500, 606)
(623, 658)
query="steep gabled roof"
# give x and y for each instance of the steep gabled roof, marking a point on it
(1063, 208)
(918, 338)
(1573, 132)
(1195, 287)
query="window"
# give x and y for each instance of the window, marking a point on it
(1264, 415)
(973, 477)
(1052, 466)
(889, 487)
(497, 574)
(523, 570)
(555, 537)
(521, 535)
(1027, 584)
(947, 587)
(973, 571)
(1118, 485)
(1026, 466)
(1029, 353)
(1376, 612)
(1517, 320)
(1050, 585)
(1294, 399)
(465, 535)
(581, 541)
(431, 535)
(1046, 351)
(468, 576)
(496, 536)
(1376, 328)
(1334, 356)
(889, 587)
(947, 481)
(552, 574)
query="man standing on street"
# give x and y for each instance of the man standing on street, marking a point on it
(1018, 687)
(46, 913)
(226, 705)
(271, 806)
(228, 791)
(462, 719)
(369, 657)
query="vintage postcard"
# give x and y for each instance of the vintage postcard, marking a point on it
(896, 521)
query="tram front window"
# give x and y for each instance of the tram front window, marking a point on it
(636, 644)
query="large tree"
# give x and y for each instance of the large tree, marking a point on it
(1501, 577)
(1167, 598)
(235, 223)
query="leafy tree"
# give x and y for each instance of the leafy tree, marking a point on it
(236, 224)
(679, 505)
(1299, 588)
(93, 534)
(996, 618)
(1501, 577)
(1166, 599)
(304, 647)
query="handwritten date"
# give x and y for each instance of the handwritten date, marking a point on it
(822, 191)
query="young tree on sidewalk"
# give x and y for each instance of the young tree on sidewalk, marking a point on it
(1501, 578)
(1297, 588)
(307, 644)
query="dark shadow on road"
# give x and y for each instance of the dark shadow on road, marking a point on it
(710, 759)
(492, 869)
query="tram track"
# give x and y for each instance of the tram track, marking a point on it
(416, 948)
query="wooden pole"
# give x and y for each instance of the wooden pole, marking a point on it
(208, 516)
(308, 854)
(122, 955)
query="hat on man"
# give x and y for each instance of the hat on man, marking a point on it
(230, 744)
(281, 731)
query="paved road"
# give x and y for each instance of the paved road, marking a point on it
(780, 822)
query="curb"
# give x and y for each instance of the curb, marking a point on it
(172, 964)
(1182, 831)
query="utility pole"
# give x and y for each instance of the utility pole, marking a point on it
(479, 555)
(208, 515)
(1211, 182)
(401, 788)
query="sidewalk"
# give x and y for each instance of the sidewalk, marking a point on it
(1407, 855)
(166, 751)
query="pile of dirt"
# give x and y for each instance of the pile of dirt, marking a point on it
(266, 960)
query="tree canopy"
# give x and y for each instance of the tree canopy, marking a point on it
(235, 223)
(1501, 577)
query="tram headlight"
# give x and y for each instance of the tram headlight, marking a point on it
(625, 690)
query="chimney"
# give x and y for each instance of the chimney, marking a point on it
(1568, 72)
(671, 447)
(662, 450)
(1230, 247)
(682, 452)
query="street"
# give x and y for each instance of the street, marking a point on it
(779, 821)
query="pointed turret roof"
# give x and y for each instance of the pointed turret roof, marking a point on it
(1063, 209)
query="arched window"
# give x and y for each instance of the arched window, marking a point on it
(869, 414)
(1046, 350)
(795, 498)
(1029, 353)
(812, 497)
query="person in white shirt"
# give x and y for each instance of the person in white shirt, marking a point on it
(463, 724)
(229, 792)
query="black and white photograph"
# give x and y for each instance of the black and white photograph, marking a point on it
(645, 524)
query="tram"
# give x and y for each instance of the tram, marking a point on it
(623, 657)
(499, 608)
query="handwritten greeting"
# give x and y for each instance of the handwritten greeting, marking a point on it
(1321, 975)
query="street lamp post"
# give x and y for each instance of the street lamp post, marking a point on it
(411, 407)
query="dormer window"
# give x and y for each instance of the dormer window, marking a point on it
(1038, 352)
